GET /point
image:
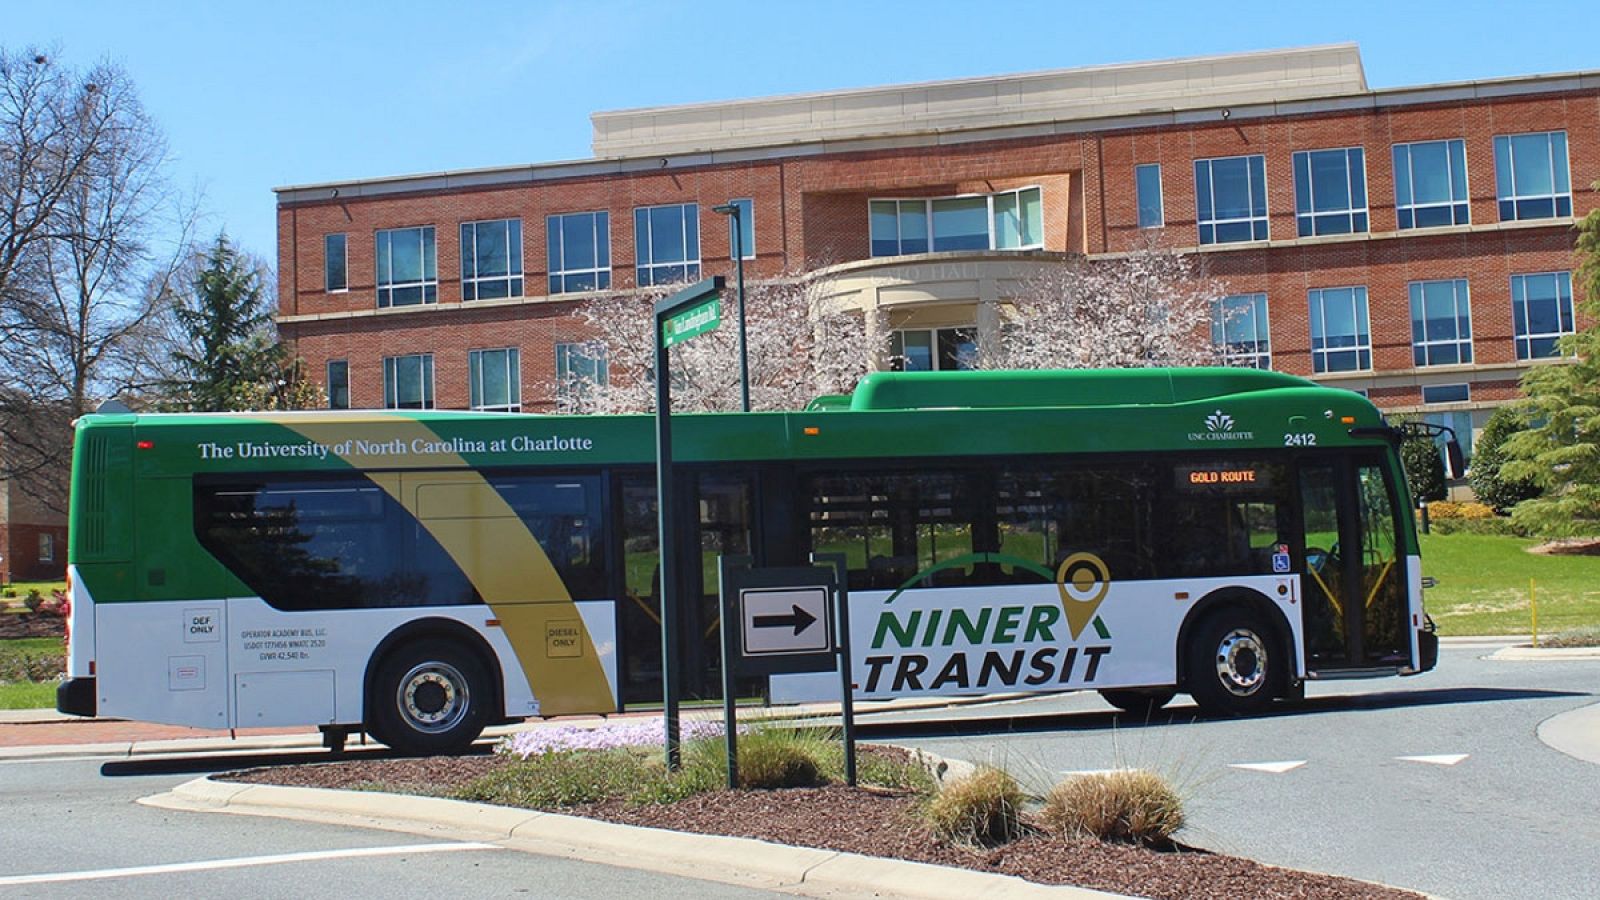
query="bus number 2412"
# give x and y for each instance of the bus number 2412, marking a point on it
(1299, 439)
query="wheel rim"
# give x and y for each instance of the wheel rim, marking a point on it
(433, 697)
(1242, 662)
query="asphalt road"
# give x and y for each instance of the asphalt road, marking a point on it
(67, 822)
(1437, 783)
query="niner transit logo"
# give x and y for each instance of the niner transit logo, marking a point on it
(994, 638)
(1219, 427)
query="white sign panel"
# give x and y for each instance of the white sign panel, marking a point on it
(785, 620)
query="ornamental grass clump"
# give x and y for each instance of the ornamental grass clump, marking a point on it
(771, 758)
(1131, 805)
(984, 808)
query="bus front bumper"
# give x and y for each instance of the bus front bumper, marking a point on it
(1428, 650)
(76, 697)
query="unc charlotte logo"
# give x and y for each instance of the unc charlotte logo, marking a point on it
(1082, 580)
(1219, 427)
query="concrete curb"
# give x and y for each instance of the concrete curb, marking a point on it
(1575, 732)
(738, 861)
(1527, 654)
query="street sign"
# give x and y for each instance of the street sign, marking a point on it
(691, 322)
(776, 621)
(787, 618)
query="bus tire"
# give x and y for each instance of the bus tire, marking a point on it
(431, 696)
(1235, 663)
(1139, 702)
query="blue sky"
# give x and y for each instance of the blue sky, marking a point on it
(260, 95)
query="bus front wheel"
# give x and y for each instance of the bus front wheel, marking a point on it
(430, 697)
(1235, 664)
(1142, 703)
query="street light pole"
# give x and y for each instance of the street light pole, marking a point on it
(732, 209)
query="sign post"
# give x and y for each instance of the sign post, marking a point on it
(789, 620)
(687, 313)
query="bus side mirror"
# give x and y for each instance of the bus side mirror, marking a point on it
(1454, 462)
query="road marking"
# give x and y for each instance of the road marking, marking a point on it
(238, 863)
(1447, 759)
(1276, 768)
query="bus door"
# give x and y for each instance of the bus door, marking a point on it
(1353, 576)
(717, 509)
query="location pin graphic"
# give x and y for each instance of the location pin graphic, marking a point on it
(1083, 581)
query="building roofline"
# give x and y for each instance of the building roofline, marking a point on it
(907, 138)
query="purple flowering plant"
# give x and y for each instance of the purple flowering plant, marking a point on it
(608, 736)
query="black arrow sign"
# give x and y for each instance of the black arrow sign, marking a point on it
(800, 620)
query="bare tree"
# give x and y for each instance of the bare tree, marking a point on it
(798, 348)
(83, 200)
(1150, 307)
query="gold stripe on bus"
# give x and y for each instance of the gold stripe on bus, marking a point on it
(496, 551)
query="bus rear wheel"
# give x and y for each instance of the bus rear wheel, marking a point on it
(1235, 665)
(430, 697)
(1142, 703)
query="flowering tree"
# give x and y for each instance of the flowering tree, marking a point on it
(798, 348)
(1151, 307)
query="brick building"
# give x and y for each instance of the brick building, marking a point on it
(1414, 243)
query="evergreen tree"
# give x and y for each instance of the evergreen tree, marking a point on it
(1561, 451)
(233, 359)
(1424, 469)
(1488, 480)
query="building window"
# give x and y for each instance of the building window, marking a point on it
(1009, 220)
(1430, 184)
(406, 271)
(666, 243)
(1446, 393)
(580, 251)
(408, 381)
(580, 367)
(932, 349)
(1530, 176)
(1239, 330)
(1441, 323)
(338, 384)
(47, 547)
(1341, 340)
(1330, 191)
(747, 228)
(1458, 421)
(334, 278)
(495, 379)
(1231, 199)
(1147, 182)
(1541, 312)
(491, 259)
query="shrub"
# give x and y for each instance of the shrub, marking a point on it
(1495, 525)
(1126, 805)
(983, 808)
(1476, 511)
(1488, 457)
(562, 778)
(1443, 509)
(33, 601)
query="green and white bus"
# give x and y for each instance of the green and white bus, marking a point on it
(418, 575)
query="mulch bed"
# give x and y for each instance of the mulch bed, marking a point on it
(31, 625)
(873, 823)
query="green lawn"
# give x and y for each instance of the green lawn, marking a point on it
(1483, 586)
(16, 692)
(28, 695)
(19, 589)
